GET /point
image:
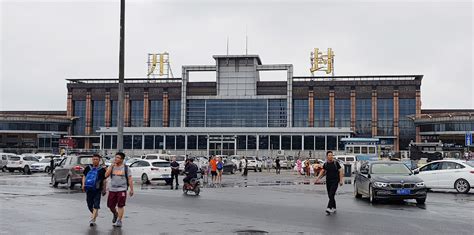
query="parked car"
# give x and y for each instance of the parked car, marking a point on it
(41, 166)
(4, 157)
(388, 180)
(236, 159)
(285, 162)
(230, 166)
(70, 170)
(254, 163)
(448, 174)
(21, 163)
(151, 170)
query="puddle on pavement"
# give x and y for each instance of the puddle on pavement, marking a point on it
(250, 232)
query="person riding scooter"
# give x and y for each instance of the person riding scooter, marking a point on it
(191, 170)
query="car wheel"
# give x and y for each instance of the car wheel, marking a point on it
(255, 169)
(372, 198)
(420, 200)
(11, 170)
(197, 191)
(356, 191)
(54, 182)
(70, 185)
(4, 168)
(46, 169)
(232, 171)
(462, 186)
(260, 169)
(145, 179)
(26, 170)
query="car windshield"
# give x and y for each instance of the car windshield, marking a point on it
(390, 168)
(180, 158)
(88, 160)
(470, 163)
(161, 164)
(15, 158)
(46, 160)
(251, 158)
(151, 157)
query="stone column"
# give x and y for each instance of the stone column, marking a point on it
(146, 110)
(374, 112)
(166, 109)
(311, 108)
(332, 116)
(396, 119)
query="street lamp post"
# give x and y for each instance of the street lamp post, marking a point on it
(120, 113)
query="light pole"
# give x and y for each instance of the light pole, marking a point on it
(120, 113)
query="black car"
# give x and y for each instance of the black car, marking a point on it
(229, 167)
(388, 180)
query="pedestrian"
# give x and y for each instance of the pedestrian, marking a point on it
(245, 163)
(120, 181)
(298, 165)
(269, 164)
(174, 172)
(334, 176)
(51, 166)
(277, 165)
(220, 169)
(213, 166)
(307, 169)
(94, 184)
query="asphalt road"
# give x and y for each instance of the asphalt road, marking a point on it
(262, 203)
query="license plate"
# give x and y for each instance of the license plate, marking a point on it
(403, 191)
(166, 176)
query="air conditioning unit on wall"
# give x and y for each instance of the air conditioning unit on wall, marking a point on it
(280, 153)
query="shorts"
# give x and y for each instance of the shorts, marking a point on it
(93, 199)
(117, 199)
(214, 173)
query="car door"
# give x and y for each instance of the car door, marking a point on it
(135, 170)
(429, 173)
(61, 170)
(363, 179)
(449, 173)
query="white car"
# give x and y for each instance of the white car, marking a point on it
(236, 159)
(448, 174)
(41, 166)
(21, 163)
(151, 170)
(254, 163)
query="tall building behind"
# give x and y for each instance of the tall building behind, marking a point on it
(241, 114)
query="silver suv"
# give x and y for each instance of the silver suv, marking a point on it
(21, 163)
(70, 170)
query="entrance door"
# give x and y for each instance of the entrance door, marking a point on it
(221, 145)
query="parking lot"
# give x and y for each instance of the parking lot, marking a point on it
(261, 203)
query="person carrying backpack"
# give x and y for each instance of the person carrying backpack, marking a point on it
(120, 181)
(94, 184)
(334, 178)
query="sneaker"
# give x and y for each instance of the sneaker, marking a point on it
(114, 220)
(92, 223)
(333, 210)
(328, 210)
(118, 224)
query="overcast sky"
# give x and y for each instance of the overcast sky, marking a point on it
(45, 42)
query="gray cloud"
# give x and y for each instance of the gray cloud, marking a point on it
(43, 43)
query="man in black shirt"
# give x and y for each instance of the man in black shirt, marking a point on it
(191, 170)
(334, 176)
(93, 193)
(277, 165)
(174, 172)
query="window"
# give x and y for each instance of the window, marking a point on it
(161, 164)
(263, 142)
(300, 112)
(277, 113)
(149, 142)
(321, 112)
(296, 142)
(159, 142)
(192, 142)
(236, 113)
(342, 111)
(332, 142)
(309, 142)
(451, 166)
(431, 167)
(127, 142)
(107, 144)
(80, 113)
(137, 142)
(196, 113)
(242, 142)
(363, 117)
(275, 142)
(175, 113)
(170, 142)
(98, 114)
(286, 142)
(136, 113)
(407, 107)
(156, 113)
(202, 142)
(180, 142)
(114, 112)
(385, 117)
(251, 142)
(320, 142)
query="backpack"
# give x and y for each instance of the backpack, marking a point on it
(91, 178)
(220, 165)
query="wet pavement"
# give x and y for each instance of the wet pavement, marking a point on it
(262, 203)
